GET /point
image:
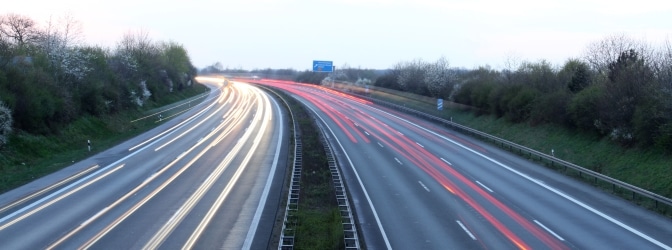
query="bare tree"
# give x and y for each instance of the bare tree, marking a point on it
(20, 28)
(601, 53)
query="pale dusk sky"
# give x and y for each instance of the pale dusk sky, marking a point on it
(363, 33)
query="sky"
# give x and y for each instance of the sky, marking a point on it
(376, 34)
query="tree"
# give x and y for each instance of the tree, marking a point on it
(602, 53)
(5, 123)
(576, 75)
(20, 28)
(411, 77)
(439, 78)
(629, 84)
(583, 109)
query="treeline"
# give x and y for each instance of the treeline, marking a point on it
(344, 73)
(621, 88)
(48, 78)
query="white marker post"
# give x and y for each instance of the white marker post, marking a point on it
(88, 143)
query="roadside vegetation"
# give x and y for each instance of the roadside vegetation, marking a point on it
(319, 224)
(609, 111)
(57, 92)
(620, 90)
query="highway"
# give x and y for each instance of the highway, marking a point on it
(417, 185)
(207, 179)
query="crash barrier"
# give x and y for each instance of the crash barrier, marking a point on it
(350, 236)
(636, 192)
(290, 221)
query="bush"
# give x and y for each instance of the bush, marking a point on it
(551, 108)
(520, 106)
(5, 123)
(583, 109)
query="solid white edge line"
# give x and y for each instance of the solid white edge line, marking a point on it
(361, 184)
(577, 202)
(257, 215)
(466, 230)
(549, 230)
(398, 161)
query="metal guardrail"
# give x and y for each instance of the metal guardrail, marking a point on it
(658, 199)
(350, 236)
(290, 220)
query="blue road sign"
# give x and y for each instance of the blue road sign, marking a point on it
(323, 66)
(439, 104)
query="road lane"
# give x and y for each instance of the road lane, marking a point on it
(169, 186)
(479, 196)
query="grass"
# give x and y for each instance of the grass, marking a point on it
(28, 157)
(319, 221)
(647, 169)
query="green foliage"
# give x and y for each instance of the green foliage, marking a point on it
(388, 80)
(629, 85)
(52, 86)
(576, 74)
(311, 77)
(583, 109)
(551, 108)
(520, 106)
(29, 156)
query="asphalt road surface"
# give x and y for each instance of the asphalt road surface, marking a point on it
(417, 185)
(207, 179)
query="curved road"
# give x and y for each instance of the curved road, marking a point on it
(210, 178)
(417, 185)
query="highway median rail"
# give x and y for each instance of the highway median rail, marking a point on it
(302, 225)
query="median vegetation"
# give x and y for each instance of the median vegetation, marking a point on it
(56, 93)
(318, 217)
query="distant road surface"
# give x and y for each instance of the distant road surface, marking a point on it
(208, 179)
(417, 185)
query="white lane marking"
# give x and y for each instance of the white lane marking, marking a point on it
(399, 133)
(367, 133)
(381, 145)
(359, 179)
(49, 188)
(466, 230)
(423, 186)
(567, 197)
(447, 162)
(398, 161)
(484, 186)
(264, 196)
(420, 145)
(56, 199)
(549, 230)
(179, 125)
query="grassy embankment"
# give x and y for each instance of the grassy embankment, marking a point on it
(28, 157)
(319, 220)
(648, 169)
